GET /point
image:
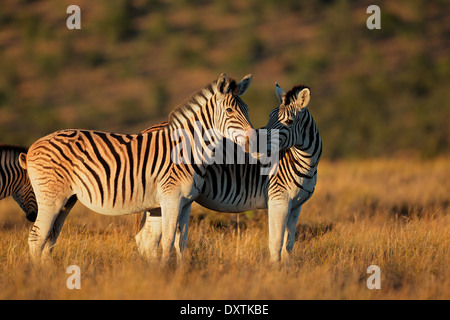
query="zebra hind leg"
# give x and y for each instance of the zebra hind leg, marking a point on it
(39, 233)
(57, 225)
(148, 238)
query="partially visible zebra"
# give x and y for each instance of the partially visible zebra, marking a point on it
(117, 174)
(242, 187)
(14, 180)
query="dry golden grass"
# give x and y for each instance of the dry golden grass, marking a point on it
(391, 213)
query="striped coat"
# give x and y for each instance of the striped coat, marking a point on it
(242, 187)
(14, 180)
(118, 174)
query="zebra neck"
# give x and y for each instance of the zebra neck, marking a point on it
(193, 136)
(184, 118)
(308, 154)
(10, 173)
(310, 150)
(193, 109)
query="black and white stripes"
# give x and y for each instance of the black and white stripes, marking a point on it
(14, 180)
(168, 166)
(234, 187)
(238, 188)
(118, 174)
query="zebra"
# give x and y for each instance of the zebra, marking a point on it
(14, 180)
(117, 174)
(237, 188)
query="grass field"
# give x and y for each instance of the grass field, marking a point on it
(390, 213)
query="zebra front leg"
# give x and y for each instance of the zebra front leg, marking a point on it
(290, 234)
(149, 236)
(182, 232)
(170, 211)
(278, 213)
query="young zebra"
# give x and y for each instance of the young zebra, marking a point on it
(238, 188)
(117, 174)
(14, 180)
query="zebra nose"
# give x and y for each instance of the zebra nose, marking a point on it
(31, 216)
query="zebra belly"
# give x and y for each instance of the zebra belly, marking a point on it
(119, 207)
(240, 205)
(117, 210)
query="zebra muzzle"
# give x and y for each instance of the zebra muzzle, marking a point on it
(251, 144)
(248, 142)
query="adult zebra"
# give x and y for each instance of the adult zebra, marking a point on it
(116, 174)
(14, 180)
(242, 187)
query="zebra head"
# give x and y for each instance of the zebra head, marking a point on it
(290, 116)
(231, 113)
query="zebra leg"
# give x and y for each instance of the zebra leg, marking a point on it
(170, 211)
(278, 213)
(141, 231)
(149, 236)
(290, 234)
(57, 225)
(41, 229)
(182, 232)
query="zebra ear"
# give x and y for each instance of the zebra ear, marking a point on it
(242, 86)
(23, 160)
(280, 93)
(303, 98)
(222, 83)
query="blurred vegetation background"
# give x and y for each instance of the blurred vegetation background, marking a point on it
(374, 92)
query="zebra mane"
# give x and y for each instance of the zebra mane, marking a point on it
(7, 147)
(197, 100)
(292, 94)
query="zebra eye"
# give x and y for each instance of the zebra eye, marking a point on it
(289, 122)
(229, 110)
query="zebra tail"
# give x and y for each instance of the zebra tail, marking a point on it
(23, 160)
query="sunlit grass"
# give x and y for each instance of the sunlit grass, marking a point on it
(389, 213)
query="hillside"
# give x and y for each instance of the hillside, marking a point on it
(374, 92)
